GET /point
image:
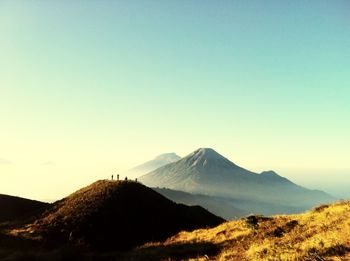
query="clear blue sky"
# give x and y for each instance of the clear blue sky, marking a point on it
(90, 87)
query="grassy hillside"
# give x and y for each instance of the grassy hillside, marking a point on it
(320, 234)
(115, 215)
(18, 208)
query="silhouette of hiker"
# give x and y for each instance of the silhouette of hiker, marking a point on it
(117, 176)
(71, 237)
(126, 178)
(112, 177)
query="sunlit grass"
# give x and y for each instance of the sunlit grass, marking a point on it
(320, 234)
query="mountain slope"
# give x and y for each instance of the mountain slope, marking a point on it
(153, 164)
(206, 172)
(320, 234)
(117, 215)
(222, 207)
(12, 208)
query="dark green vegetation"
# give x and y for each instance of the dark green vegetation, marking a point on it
(19, 208)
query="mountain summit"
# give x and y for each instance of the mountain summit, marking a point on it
(205, 171)
(205, 153)
(153, 164)
(168, 157)
(208, 160)
(202, 167)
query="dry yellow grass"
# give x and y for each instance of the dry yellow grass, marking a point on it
(320, 234)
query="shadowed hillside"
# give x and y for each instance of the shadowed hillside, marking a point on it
(219, 206)
(319, 235)
(116, 215)
(18, 208)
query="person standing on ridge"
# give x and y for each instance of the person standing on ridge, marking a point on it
(112, 177)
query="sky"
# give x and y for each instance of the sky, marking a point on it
(92, 88)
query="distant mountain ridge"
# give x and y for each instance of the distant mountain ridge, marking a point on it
(16, 207)
(153, 164)
(205, 171)
(219, 206)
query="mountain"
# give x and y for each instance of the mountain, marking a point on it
(153, 164)
(12, 208)
(319, 234)
(226, 207)
(222, 207)
(205, 171)
(116, 215)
